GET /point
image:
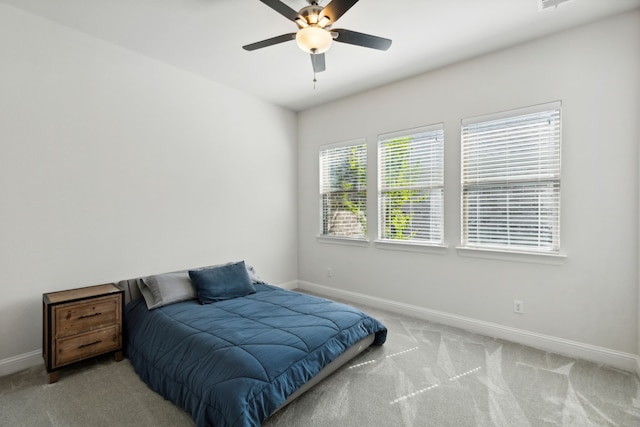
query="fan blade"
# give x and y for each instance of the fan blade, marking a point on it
(270, 42)
(361, 39)
(317, 61)
(336, 8)
(282, 9)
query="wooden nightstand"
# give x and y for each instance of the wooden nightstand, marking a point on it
(79, 324)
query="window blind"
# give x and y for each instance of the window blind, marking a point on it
(343, 190)
(511, 182)
(411, 186)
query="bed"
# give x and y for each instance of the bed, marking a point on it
(231, 349)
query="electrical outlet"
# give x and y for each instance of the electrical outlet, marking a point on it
(518, 306)
(329, 272)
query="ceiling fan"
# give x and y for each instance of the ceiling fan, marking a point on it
(315, 34)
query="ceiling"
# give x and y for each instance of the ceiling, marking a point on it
(206, 37)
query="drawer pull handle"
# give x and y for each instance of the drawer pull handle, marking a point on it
(90, 344)
(90, 315)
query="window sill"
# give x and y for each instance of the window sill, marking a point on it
(348, 241)
(411, 247)
(503, 255)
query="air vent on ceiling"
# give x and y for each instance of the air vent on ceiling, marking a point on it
(546, 4)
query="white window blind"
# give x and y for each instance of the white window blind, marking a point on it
(511, 182)
(343, 190)
(411, 186)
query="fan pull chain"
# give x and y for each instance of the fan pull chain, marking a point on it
(313, 55)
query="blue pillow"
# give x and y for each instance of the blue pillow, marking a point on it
(222, 283)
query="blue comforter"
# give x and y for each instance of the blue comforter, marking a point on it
(232, 363)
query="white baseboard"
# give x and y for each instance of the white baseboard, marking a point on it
(22, 361)
(289, 285)
(625, 361)
(621, 360)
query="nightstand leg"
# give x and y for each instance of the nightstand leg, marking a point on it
(53, 377)
(118, 356)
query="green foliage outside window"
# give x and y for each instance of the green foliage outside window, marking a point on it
(399, 194)
(348, 181)
(353, 178)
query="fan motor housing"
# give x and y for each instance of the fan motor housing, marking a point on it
(311, 13)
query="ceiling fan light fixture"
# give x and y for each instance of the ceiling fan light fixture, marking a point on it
(324, 21)
(314, 39)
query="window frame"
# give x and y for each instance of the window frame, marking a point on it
(324, 235)
(422, 138)
(553, 181)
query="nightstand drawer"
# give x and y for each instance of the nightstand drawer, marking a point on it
(73, 318)
(82, 346)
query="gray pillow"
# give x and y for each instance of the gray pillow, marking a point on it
(168, 288)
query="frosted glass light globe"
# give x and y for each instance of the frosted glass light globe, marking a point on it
(314, 39)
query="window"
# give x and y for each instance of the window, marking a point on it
(511, 181)
(411, 186)
(343, 190)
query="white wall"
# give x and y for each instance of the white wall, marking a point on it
(591, 297)
(113, 166)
